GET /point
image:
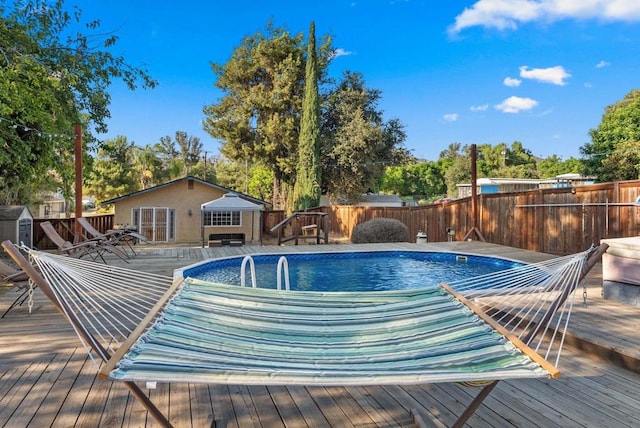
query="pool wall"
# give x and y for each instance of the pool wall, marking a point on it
(454, 258)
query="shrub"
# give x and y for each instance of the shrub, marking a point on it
(380, 230)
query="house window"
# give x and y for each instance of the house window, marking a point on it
(222, 218)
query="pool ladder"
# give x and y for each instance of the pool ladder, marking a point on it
(283, 268)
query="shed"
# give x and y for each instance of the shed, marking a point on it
(16, 224)
(228, 216)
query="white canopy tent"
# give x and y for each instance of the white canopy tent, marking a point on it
(232, 202)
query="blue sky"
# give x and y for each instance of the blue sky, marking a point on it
(475, 72)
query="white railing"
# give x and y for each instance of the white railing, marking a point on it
(283, 266)
(243, 268)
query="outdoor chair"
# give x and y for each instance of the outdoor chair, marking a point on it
(119, 237)
(91, 248)
(9, 274)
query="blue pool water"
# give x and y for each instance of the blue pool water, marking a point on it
(354, 271)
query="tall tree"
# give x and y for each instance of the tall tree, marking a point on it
(624, 162)
(618, 132)
(172, 166)
(230, 174)
(553, 166)
(113, 173)
(307, 186)
(52, 75)
(417, 179)
(190, 150)
(258, 118)
(179, 155)
(456, 161)
(147, 166)
(357, 142)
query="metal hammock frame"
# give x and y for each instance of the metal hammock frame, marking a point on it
(113, 310)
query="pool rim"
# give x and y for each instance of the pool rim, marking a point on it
(178, 273)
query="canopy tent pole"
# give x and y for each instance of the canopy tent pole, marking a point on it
(202, 226)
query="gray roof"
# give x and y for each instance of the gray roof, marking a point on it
(232, 202)
(12, 212)
(380, 197)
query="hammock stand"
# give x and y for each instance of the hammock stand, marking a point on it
(478, 302)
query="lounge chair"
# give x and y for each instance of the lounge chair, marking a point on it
(9, 274)
(123, 238)
(503, 327)
(91, 248)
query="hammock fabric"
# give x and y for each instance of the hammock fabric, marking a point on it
(227, 334)
(147, 327)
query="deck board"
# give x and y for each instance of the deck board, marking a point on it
(46, 378)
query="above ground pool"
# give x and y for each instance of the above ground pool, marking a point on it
(351, 271)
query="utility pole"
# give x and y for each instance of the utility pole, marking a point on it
(205, 164)
(503, 152)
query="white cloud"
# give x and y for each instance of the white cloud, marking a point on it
(450, 117)
(555, 75)
(508, 14)
(341, 52)
(482, 107)
(516, 104)
(588, 85)
(510, 81)
(602, 64)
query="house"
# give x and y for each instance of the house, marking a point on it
(50, 205)
(499, 185)
(567, 180)
(505, 185)
(172, 212)
(380, 200)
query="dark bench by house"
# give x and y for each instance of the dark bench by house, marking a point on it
(232, 239)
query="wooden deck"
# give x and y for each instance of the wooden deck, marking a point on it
(46, 378)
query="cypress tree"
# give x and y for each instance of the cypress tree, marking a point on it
(307, 185)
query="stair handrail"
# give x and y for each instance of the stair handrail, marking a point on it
(243, 268)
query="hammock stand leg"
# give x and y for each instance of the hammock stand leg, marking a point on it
(61, 306)
(471, 409)
(591, 261)
(148, 404)
(18, 302)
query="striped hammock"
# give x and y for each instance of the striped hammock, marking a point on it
(498, 326)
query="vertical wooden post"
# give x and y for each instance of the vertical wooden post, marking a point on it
(474, 198)
(474, 184)
(77, 230)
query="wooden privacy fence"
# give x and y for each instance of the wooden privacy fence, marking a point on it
(555, 221)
